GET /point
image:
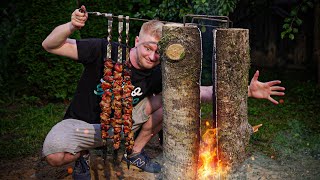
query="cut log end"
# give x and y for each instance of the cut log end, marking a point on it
(175, 52)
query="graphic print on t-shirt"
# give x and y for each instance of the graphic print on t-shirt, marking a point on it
(99, 90)
(136, 93)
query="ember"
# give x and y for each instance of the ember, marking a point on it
(210, 167)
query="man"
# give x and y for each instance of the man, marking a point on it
(80, 130)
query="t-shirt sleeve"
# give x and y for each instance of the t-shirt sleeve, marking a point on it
(89, 50)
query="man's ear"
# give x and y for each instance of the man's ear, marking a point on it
(136, 41)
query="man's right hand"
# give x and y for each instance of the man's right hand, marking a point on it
(79, 17)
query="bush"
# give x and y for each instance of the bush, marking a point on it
(30, 70)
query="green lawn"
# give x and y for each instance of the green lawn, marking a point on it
(23, 128)
(291, 127)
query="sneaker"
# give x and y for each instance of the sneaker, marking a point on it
(81, 170)
(142, 161)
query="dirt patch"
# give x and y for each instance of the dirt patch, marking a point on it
(256, 166)
(34, 168)
(31, 168)
(259, 166)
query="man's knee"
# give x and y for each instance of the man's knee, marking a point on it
(55, 159)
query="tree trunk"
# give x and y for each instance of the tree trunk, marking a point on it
(181, 52)
(232, 70)
(316, 42)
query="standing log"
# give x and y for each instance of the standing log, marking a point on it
(232, 69)
(181, 52)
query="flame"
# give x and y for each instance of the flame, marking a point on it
(209, 166)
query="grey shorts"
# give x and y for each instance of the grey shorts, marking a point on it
(72, 135)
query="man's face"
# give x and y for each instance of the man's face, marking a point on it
(147, 51)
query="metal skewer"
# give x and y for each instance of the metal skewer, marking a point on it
(109, 46)
(127, 39)
(120, 29)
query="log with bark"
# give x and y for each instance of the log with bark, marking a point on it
(232, 69)
(181, 65)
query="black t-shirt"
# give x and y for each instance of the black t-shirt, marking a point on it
(85, 103)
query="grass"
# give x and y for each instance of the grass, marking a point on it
(23, 128)
(291, 127)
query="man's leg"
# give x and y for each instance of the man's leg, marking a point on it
(68, 138)
(153, 125)
(148, 113)
(61, 158)
(69, 141)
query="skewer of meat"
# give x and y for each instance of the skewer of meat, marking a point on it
(117, 121)
(106, 84)
(127, 98)
(117, 105)
(116, 99)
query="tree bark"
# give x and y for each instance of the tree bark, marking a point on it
(181, 65)
(232, 69)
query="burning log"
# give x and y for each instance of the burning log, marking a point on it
(232, 69)
(181, 52)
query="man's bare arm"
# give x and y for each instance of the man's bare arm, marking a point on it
(58, 42)
(256, 89)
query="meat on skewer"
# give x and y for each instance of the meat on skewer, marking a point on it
(116, 102)
(106, 99)
(117, 121)
(127, 108)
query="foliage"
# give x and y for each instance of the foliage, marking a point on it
(29, 69)
(291, 23)
(11, 33)
(45, 72)
(214, 7)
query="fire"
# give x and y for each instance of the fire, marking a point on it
(209, 166)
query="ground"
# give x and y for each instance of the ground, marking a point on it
(257, 166)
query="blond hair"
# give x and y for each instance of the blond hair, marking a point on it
(152, 28)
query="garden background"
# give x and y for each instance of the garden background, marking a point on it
(36, 86)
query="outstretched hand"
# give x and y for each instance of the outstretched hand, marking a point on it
(264, 90)
(79, 17)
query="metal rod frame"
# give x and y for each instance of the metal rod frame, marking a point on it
(219, 19)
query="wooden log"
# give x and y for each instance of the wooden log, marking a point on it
(232, 70)
(181, 65)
